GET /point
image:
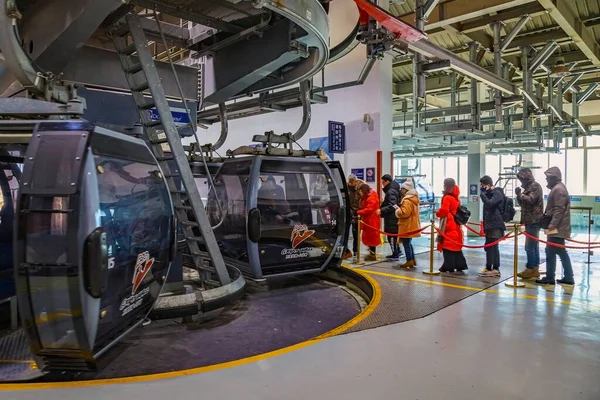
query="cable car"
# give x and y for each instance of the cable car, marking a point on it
(95, 240)
(279, 215)
(10, 175)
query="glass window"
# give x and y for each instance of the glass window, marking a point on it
(463, 183)
(492, 167)
(540, 164)
(557, 160)
(438, 175)
(135, 208)
(593, 161)
(425, 168)
(294, 193)
(593, 141)
(575, 171)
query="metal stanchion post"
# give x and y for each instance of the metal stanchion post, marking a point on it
(359, 233)
(515, 283)
(431, 250)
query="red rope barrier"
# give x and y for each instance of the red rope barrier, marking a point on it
(507, 236)
(474, 231)
(579, 242)
(561, 246)
(396, 234)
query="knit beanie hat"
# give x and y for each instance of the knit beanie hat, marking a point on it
(408, 185)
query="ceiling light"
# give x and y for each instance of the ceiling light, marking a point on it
(560, 69)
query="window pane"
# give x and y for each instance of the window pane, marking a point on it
(593, 161)
(557, 160)
(593, 141)
(540, 165)
(574, 178)
(439, 175)
(426, 169)
(491, 166)
(464, 175)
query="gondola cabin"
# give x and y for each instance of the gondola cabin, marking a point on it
(279, 215)
(95, 239)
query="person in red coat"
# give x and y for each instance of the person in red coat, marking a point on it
(369, 206)
(451, 243)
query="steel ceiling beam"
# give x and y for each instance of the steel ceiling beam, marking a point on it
(506, 16)
(542, 56)
(456, 11)
(506, 40)
(463, 66)
(562, 12)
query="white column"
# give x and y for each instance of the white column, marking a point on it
(476, 165)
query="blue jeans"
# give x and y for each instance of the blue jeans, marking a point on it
(551, 253)
(408, 249)
(532, 247)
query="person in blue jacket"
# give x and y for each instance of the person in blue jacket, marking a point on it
(493, 224)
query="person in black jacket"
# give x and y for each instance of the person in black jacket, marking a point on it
(493, 224)
(387, 210)
(531, 200)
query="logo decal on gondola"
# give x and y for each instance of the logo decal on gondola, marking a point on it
(299, 234)
(142, 267)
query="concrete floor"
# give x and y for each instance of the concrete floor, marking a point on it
(539, 344)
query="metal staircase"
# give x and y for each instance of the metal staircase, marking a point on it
(142, 76)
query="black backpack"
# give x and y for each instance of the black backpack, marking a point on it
(508, 209)
(462, 215)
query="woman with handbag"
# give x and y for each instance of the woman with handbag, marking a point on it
(369, 206)
(451, 242)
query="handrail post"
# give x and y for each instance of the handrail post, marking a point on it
(515, 283)
(431, 249)
(358, 235)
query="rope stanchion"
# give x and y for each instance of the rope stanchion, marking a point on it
(359, 233)
(560, 246)
(515, 283)
(431, 250)
(507, 236)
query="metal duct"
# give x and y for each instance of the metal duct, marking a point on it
(306, 110)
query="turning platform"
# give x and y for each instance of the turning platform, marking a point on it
(291, 313)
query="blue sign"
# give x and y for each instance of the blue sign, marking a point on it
(315, 144)
(597, 199)
(574, 198)
(370, 174)
(179, 115)
(472, 190)
(358, 172)
(337, 137)
(545, 197)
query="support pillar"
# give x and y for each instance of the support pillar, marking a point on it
(476, 167)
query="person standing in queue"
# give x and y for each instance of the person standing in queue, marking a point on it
(387, 211)
(558, 217)
(451, 243)
(531, 200)
(409, 221)
(368, 214)
(353, 184)
(493, 224)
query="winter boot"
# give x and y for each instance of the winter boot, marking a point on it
(371, 257)
(529, 273)
(409, 264)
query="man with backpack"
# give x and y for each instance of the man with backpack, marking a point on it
(387, 211)
(494, 205)
(531, 200)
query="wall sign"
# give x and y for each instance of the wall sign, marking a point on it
(575, 199)
(597, 199)
(472, 190)
(358, 172)
(337, 137)
(370, 174)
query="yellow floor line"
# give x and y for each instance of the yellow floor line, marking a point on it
(494, 291)
(176, 374)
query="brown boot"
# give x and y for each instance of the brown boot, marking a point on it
(371, 257)
(530, 273)
(409, 264)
